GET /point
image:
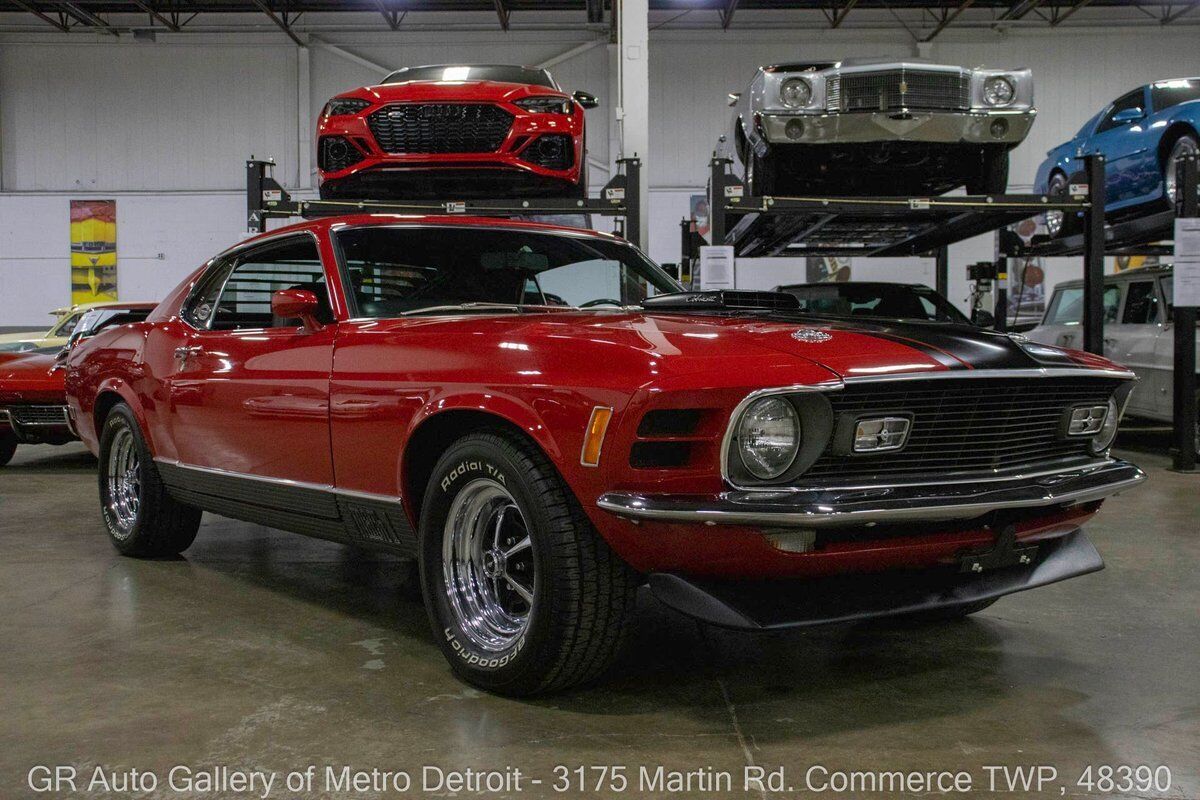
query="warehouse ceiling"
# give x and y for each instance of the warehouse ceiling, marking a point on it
(924, 19)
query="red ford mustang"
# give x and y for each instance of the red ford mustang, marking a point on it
(33, 405)
(454, 130)
(542, 420)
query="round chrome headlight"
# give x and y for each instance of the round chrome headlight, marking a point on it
(998, 91)
(795, 92)
(768, 437)
(1108, 431)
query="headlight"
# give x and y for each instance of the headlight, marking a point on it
(998, 91)
(768, 437)
(1108, 431)
(795, 92)
(545, 104)
(343, 107)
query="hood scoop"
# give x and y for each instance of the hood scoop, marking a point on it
(722, 300)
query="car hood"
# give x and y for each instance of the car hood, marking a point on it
(29, 377)
(677, 343)
(451, 91)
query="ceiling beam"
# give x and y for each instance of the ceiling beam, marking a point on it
(88, 18)
(1172, 16)
(840, 16)
(283, 25)
(21, 4)
(502, 12)
(1020, 9)
(727, 13)
(174, 27)
(948, 18)
(1069, 11)
(390, 15)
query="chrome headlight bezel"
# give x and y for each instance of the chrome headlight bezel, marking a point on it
(1007, 87)
(801, 98)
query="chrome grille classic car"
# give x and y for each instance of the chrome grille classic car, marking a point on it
(857, 127)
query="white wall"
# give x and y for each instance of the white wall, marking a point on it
(164, 128)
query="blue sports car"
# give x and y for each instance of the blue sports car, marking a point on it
(1140, 134)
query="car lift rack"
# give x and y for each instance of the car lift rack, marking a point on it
(266, 199)
(758, 227)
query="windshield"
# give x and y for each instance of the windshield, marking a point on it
(394, 271)
(890, 300)
(502, 73)
(65, 326)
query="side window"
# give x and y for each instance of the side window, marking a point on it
(198, 309)
(1112, 301)
(1141, 304)
(1134, 99)
(245, 299)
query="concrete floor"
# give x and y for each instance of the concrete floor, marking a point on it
(267, 650)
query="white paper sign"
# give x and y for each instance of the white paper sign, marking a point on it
(716, 267)
(1187, 261)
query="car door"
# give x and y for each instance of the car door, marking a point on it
(1134, 341)
(1131, 166)
(250, 392)
(1063, 324)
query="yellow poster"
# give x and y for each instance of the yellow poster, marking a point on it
(93, 251)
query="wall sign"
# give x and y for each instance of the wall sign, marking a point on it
(93, 251)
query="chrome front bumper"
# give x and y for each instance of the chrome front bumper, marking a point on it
(973, 127)
(832, 508)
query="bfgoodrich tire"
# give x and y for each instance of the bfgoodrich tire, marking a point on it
(523, 595)
(142, 520)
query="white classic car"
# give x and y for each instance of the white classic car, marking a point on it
(880, 127)
(1138, 332)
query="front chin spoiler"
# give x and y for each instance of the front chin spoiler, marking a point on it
(780, 605)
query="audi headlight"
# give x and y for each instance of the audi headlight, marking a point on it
(1108, 429)
(343, 107)
(547, 104)
(768, 437)
(998, 91)
(795, 92)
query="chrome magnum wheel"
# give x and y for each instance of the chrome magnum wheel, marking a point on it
(487, 559)
(141, 518)
(124, 483)
(523, 595)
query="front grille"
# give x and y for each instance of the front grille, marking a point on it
(964, 426)
(895, 89)
(440, 127)
(38, 415)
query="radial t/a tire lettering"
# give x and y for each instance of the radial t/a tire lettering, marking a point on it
(523, 595)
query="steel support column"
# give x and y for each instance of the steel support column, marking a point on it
(942, 274)
(1093, 256)
(633, 116)
(1184, 405)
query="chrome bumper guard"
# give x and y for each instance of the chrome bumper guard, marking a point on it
(832, 508)
(777, 605)
(917, 126)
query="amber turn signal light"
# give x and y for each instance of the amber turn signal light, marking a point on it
(593, 438)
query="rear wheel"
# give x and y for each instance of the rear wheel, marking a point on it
(141, 518)
(8, 446)
(1059, 223)
(1184, 146)
(523, 595)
